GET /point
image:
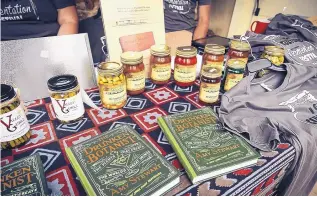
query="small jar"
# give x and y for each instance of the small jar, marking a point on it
(210, 81)
(239, 50)
(15, 128)
(160, 64)
(234, 73)
(185, 66)
(112, 85)
(66, 98)
(134, 71)
(275, 54)
(214, 56)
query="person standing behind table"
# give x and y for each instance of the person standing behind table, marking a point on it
(21, 19)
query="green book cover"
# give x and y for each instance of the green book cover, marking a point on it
(203, 146)
(24, 177)
(120, 162)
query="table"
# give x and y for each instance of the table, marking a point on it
(50, 138)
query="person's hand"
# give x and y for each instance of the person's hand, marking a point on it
(68, 21)
(203, 22)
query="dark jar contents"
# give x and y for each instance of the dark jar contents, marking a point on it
(15, 128)
(210, 81)
(239, 50)
(66, 98)
(234, 73)
(160, 63)
(214, 56)
(134, 71)
(185, 66)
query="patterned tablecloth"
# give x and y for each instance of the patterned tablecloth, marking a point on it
(50, 138)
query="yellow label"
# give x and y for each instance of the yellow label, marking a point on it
(135, 81)
(113, 95)
(213, 64)
(185, 73)
(232, 80)
(161, 72)
(242, 59)
(209, 93)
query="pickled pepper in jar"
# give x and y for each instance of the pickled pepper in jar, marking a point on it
(239, 50)
(160, 62)
(210, 81)
(213, 56)
(234, 73)
(275, 54)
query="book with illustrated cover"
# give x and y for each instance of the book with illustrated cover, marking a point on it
(203, 146)
(120, 162)
(24, 177)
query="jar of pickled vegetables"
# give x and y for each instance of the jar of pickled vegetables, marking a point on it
(134, 71)
(185, 66)
(210, 81)
(112, 85)
(275, 54)
(66, 98)
(239, 50)
(234, 73)
(160, 64)
(15, 128)
(213, 56)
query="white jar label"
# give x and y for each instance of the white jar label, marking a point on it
(185, 74)
(14, 124)
(135, 81)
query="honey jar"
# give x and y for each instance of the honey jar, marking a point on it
(160, 64)
(66, 98)
(15, 128)
(275, 54)
(210, 81)
(112, 85)
(239, 50)
(134, 72)
(234, 73)
(185, 66)
(213, 56)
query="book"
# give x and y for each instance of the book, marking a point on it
(134, 25)
(120, 162)
(203, 146)
(24, 177)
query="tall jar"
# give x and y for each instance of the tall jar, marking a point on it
(234, 73)
(275, 54)
(239, 50)
(160, 64)
(66, 98)
(214, 56)
(185, 66)
(134, 71)
(15, 128)
(210, 81)
(112, 85)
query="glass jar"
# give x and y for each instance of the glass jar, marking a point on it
(275, 54)
(213, 56)
(239, 50)
(112, 85)
(15, 128)
(185, 66)
(134, 72)
(66, 98)
(160, 64)
(210, 81)
(234, 73)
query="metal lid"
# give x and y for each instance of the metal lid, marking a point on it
(62, 83)
(274, 50)
(236, 63)
(186, 51)
(131, 57)
(111, 68)
(7, 92)
(211, 72)
(215, 49)
(239, 45)
(160, 50)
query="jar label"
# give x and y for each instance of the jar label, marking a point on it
(232, 80)
(213, 64)
(135, 81)
(209, 92)
(69, 108)
(161, 72)
(185, 73)
(14, 124)
(113, 95)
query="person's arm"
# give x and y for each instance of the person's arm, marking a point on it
(68, 21)
(203, 22)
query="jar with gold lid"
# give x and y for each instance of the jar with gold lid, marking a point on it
(234, 73)
(210, 81)
(213, 56)
(160, 63)
(185, 66)
(239, 50)
(15, 128)
(275, 54)
(112, 85)
(134, 71)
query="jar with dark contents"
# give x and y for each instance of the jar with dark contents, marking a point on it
(134, 72)
(239, 50)
(160, 64)
(210, 81)
(185, 66)
(66, 98)
(234, 73)
(15, 128)
(214, 56)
